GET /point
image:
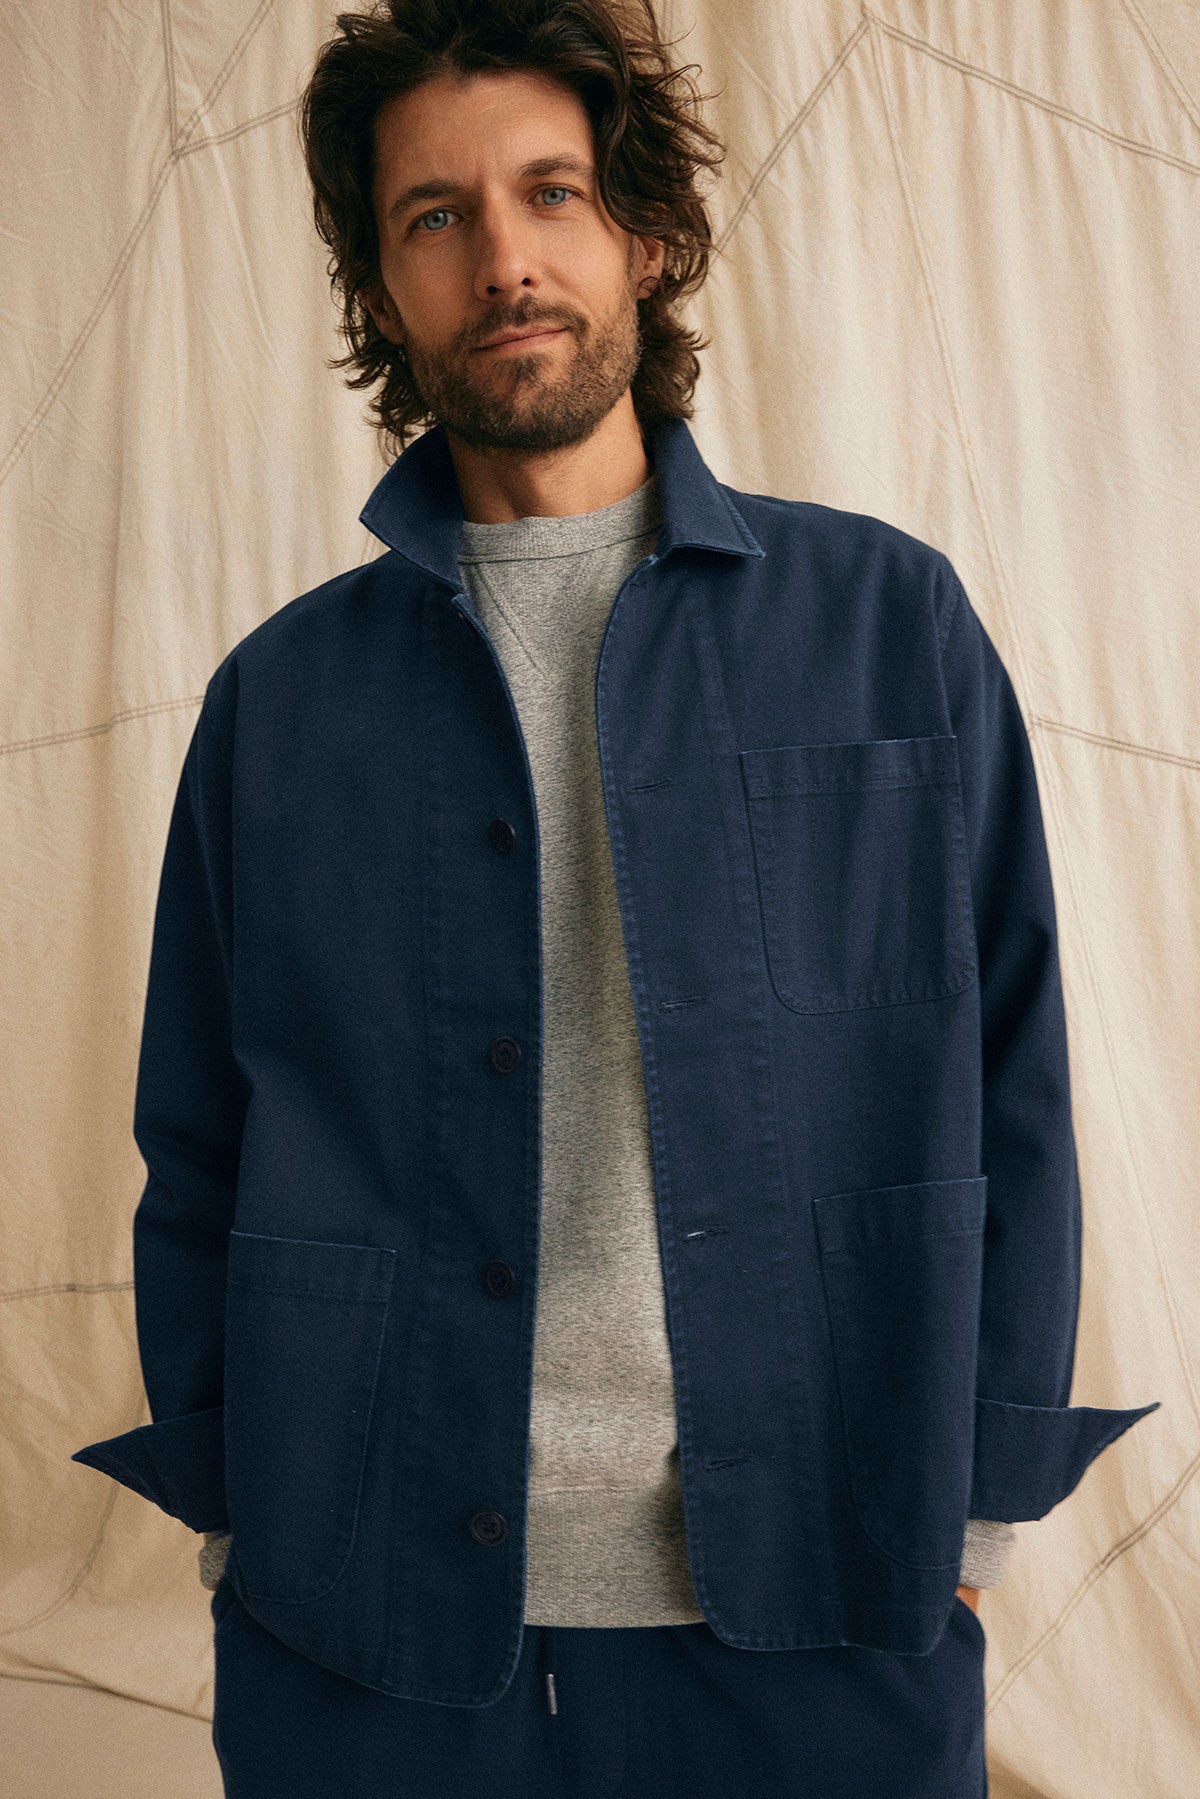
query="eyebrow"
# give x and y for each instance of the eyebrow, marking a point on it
(438, 189)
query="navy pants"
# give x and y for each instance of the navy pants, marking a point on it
(662, 1712)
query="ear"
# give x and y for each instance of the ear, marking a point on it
(650, 252)
(378, 303)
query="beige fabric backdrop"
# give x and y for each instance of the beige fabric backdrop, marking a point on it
(959, 288)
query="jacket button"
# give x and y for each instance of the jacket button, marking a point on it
(488, 1527)
(499, 1279)
(505, 1053)
(502, 835)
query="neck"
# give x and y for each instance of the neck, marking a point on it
(498, 485)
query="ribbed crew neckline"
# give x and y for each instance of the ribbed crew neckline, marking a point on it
(519, 539)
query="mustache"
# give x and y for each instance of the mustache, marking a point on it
(497, 327)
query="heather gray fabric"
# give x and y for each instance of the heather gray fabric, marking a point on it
(605, 1542)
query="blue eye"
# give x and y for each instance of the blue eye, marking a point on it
(442, 211)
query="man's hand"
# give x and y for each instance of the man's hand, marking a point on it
(971, 1595)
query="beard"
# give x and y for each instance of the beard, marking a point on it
(542, 399)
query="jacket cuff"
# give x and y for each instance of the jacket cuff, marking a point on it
(986, 1550)
(178, 1463)
(212, 1556)
(1029, 1457)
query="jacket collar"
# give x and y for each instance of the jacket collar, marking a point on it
(416, 507)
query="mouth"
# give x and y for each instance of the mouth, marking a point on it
(531, 341)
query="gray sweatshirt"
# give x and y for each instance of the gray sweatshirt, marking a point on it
(605, 1533)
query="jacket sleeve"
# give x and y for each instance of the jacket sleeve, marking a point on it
(1031, 1446)
(189, 1110)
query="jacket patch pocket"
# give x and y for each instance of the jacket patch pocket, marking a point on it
(304, 1327)
(861, 862)
(903, 1271)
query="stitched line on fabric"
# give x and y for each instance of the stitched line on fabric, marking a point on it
(1054, 107)
(786, 135)
(1113, 743)
(124, 255)
(118, 718)
(1157, 54)
(849, 784)
(68, 1287)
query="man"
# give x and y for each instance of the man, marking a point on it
(612, 1200)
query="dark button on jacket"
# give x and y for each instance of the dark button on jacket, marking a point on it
(840, 930)
(489, 1527)
(499, 1279)
(505, 1054)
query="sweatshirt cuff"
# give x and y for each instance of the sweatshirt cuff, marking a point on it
(212, 1556)
(986, 1549)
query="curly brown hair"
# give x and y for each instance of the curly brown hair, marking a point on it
(650, 142)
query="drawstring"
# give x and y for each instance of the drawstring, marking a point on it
(550, 1691)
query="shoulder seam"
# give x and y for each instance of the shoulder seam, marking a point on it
(947, 568)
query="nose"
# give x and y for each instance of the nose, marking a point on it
(506, 262)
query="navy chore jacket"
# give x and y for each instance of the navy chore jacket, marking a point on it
(840, 931)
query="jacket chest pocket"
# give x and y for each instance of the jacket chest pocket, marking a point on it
(861, 864)
(304, 1328)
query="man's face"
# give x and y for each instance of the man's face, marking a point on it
(491, 245)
